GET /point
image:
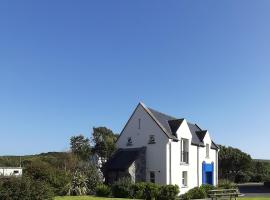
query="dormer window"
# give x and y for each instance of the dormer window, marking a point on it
(129, 141)
(152, 139)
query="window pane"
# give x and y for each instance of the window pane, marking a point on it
(152, 177)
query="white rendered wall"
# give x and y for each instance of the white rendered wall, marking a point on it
(163, 157)
(178, 167)
(9, 171)
(155, 153)
(212, 157)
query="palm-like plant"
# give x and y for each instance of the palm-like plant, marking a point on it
(78, 185)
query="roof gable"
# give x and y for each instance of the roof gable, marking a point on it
(169, 125)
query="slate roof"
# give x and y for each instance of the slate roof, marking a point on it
(214, 146)
(123, 158)
(170, 125)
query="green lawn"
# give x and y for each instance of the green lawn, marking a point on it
(84, 198)
(254, 198)
(101, 198)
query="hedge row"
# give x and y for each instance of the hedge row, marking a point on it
(203, 191)
(149, 191)
(24, 188)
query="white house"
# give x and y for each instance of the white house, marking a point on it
(156, 147)
(10, 171)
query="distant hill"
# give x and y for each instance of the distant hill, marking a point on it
(262, 160)
(54, 158)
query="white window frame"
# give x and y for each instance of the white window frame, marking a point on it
(184, 151)
(207, 149)
(184, 179)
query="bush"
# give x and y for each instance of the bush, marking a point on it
(138, 190)
(256, 178)
(207, 188)
(151, 191)
(43, 172)
(24, 188)
(103, 190)
(78, 185)
(168, 192)
(242, 177)
(122, 188)
(195, 193)
(226, 184)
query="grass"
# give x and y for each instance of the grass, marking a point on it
(84, 198)
(254, 198)
(102, 198)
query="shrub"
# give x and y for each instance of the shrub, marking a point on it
(256, 178)
(103, 190)
(122, 188)
(24, 188)
(41, 191)
(78, 185)
(151, 191)
(138, 190)
(226, 184)
(41, 171)
(195, 193)
(207, 187)
(242, 177)
(92, 175)
(168, 192)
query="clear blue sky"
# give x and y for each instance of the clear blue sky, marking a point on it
(66, 66)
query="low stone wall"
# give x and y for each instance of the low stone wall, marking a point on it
(267, 184)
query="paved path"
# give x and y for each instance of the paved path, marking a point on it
(254, 189)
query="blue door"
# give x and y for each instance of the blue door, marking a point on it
(207, 173)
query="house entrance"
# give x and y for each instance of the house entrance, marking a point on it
(208, 173)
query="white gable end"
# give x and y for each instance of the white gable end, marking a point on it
(139, 129)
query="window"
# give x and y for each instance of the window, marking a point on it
(15, 172)
(129, 142)
(139, 124)
(184, 151)
(207, 150)
(152, 177)
(152, 139)
(184, 179)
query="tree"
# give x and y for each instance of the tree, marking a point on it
(104, 142)
(233, 161)
(80, 146)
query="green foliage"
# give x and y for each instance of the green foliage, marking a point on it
(80, 146)
(207, 188)
(151, 191)
(103, 190)
(168, 192)
(233, 161)
(226, 184)
(24, 188)
(43, 172)
(195, 193)
(138, 190)
(122, 188)
(92, 175)
(78, 185)
(243, 177)
(104, 142)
